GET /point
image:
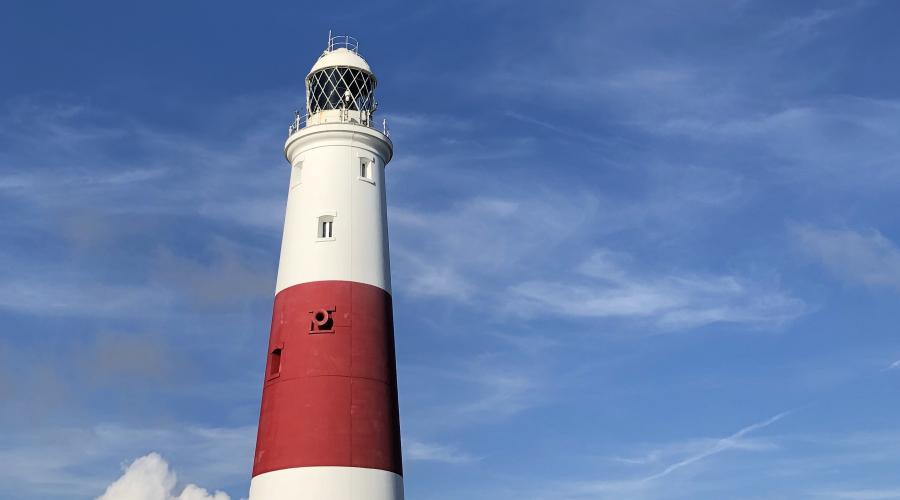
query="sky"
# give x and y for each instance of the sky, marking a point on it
(643, 250)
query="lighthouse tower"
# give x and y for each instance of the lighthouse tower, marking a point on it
(329, 426)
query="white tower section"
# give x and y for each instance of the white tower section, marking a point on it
(335, 226)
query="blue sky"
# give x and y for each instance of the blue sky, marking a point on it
(643, 250)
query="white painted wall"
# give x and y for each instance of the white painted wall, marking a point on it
(325, 181)
(327, 483)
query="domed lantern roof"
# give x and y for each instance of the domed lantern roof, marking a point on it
(340, 57)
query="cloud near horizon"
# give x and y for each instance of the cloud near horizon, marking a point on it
(150, 478)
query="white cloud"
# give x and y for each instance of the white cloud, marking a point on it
(803, 26)
(863, 257)
(415, 450)
(427, 278)
(501, 392)
(157, 280)
(232, 274)
(149, 478)
(505, 253)
(801, 136)
(167, 173)
(863, 494)
(839, 135)
(617, 290)
(452, 253)
(478, 389)
(487, 388)
(79, 296)
(76, 461)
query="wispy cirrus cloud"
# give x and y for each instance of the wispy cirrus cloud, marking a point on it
(491, 387)
(863, 257)
(165, 281)
(803, 25)
(720, 445)
(840, 140)
(512, 239)
(725, 107)
(861, 494)
(614, 289)
(164, 173)
(711, 468)
(422, 451)
(112, 250)
(680, 452)
(506, 230)
(75, 298)
(518, 240)
(683, 455)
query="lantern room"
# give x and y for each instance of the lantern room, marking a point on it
(340, 87)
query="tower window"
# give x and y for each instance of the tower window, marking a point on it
(366, 170)
(274, 363)
(325, 228)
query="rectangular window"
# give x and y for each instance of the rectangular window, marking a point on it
(366, 167)
(275, 363)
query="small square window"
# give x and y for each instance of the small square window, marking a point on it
(366, 165)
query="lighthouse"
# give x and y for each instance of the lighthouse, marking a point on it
(329, 425)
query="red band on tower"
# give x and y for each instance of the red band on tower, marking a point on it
(330, 396)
